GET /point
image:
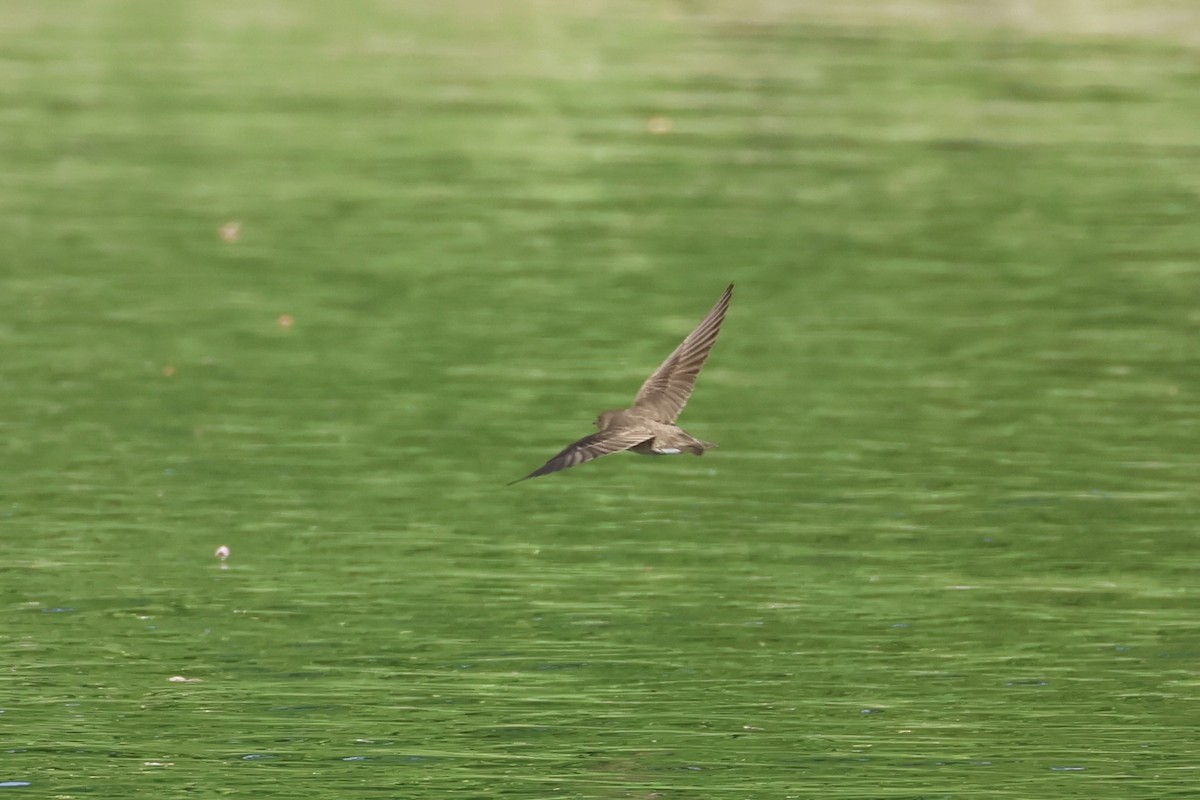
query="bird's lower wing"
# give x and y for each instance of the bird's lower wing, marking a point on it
(598, 444)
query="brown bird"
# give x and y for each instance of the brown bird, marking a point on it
(648, 426)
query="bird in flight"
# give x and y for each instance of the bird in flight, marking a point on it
(648, 426)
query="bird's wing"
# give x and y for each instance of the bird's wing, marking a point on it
(602, 443)
(665, 393)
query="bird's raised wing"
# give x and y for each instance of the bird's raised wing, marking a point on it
(665, 393)
(602, 443)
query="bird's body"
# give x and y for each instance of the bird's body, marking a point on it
(664, 438)
(648, 426)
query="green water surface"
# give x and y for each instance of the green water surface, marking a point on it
(947, 547)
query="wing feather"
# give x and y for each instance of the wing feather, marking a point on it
(666, 392)
(602, 443)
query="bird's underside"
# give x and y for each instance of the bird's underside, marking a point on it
(648, 426)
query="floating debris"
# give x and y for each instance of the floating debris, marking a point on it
(660, 125)
(230, 231)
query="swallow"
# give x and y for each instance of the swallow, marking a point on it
(648, 426)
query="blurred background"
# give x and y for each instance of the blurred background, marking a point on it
(315, 281)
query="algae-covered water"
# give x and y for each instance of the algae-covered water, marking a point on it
(315, 283)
